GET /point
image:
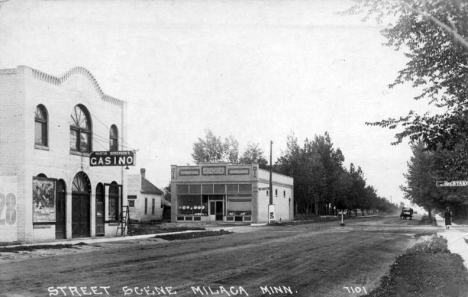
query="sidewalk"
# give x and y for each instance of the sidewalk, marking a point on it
(455, 239)
(91, 240)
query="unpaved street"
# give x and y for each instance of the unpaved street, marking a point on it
(302, 260)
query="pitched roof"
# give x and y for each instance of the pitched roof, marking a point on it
(148, 188)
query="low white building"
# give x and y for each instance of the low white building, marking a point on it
(231, 193)
(144, 198)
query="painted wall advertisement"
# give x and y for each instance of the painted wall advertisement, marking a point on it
(43, 200)
(8, 208)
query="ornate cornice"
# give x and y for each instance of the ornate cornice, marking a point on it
(77, 70)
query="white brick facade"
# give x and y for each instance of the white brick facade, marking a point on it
(21, 91)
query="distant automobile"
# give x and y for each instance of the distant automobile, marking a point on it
(406, 212)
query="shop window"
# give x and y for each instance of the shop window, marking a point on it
(131, 203)
(207, 189)
(192, 205)
(220, 189)
(239, 206)
(80, 130)
(245, 188)
(195, 189)
(234, 189)
(41, 118)
(113, 202)
(182, 189)
(114, 139)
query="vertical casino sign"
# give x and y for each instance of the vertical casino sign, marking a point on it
(106, 158)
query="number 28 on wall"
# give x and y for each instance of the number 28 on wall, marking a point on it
(7, 203)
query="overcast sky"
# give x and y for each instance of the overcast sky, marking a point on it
(256, 70)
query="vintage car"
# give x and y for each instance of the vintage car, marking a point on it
(406, 212)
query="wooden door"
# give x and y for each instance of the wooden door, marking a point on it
(60, 223)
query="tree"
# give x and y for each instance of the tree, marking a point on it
(213, 149)
(424, 169)
(167, 192)
(433, 34)
(253, 154)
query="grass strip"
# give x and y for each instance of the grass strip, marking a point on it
(192, 235)
(427, 269)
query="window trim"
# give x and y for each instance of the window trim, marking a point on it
(74, 126)
(113, 136)
(44, 127)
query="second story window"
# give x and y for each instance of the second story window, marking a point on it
(80, 130)
(40, 137)
(114, 139)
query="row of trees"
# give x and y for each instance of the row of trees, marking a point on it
(322, 184)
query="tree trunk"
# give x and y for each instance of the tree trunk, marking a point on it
(429, 212)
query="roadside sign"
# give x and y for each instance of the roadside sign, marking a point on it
(455, 183)
(106, 158)
(263, 189)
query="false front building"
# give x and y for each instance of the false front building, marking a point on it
(49, 128)
(229, 193)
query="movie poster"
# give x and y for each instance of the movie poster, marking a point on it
(43, 200)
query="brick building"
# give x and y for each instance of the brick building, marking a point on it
(231, 193)
(144, 198)
(48, 127)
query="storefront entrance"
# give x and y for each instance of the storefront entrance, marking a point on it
(217, 210)
(81, 190)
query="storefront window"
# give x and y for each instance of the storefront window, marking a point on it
(192, 205)
(245, 188)
(239, 205)
(220, 189)
(195, 189)
(233, 189)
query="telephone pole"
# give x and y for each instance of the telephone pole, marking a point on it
(271, 206)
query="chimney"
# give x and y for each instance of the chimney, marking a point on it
(143, 170)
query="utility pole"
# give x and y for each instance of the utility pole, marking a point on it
(271, 206)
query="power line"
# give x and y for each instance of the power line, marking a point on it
(118, 136)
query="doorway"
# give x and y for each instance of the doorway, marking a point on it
(81, 197)
(100, 210)
(60, 223)
(217, 210)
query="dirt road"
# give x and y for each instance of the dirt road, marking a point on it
(302, 260)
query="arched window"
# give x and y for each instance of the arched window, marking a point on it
(114, 139)
(80, 130)
(81, 184)
(40, 119)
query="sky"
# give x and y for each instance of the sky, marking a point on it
(257, 70)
